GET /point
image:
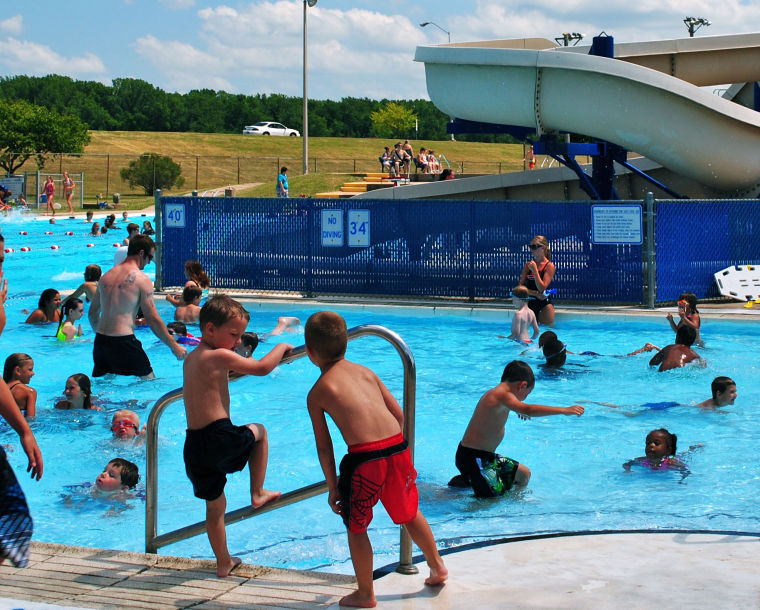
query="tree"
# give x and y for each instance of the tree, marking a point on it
(393, 120)
(29, 131)
(151, 171)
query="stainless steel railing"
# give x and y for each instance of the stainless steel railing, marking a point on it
(153, 542)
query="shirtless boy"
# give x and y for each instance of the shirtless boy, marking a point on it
(678, 354)
(524, 318)
(213, 446)
(189, 310)
(488, 473)
(121, 291)
(723, 393)
(371, 422)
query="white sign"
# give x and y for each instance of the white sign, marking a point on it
(358, 228)
(616, 224)
(15, 184)
(332, 228)
(174, 215)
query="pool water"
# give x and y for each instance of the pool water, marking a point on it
(577, 484)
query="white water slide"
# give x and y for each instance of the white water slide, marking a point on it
(648, 99)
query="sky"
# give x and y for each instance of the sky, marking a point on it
(356, 48)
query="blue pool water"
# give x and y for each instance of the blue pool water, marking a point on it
(577, 483)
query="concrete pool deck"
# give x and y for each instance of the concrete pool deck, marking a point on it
(589, 571)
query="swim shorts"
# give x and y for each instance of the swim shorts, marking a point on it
(489, 474)
(377, 471)
(15, 521)
(122, 355)
(214, 451)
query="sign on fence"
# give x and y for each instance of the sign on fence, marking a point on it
(332, 228)
(358, 228)
(616, 224)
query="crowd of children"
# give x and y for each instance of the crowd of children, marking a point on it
(377, 467)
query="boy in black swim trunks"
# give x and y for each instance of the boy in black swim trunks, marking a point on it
(481, 468)
(213, 446)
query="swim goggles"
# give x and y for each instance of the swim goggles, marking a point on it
(683, 303)
(124, 423)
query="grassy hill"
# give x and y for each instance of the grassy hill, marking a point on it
(212, 161)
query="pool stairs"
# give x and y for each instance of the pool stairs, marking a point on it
(370, 182)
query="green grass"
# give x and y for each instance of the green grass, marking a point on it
(212, 161)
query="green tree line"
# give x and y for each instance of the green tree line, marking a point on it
(130, 104)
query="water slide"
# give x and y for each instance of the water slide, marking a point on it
(648, 99)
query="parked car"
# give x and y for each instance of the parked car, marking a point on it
(268, 128)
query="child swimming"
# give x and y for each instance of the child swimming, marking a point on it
(78, 393)
(17, 373)
(660, 449)
(688, 314)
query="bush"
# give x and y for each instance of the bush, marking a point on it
(151, 172)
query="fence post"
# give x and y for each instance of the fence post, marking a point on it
(158, 283)
(108, 172)
(651, 288)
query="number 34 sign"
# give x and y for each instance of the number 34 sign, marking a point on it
(358, 228)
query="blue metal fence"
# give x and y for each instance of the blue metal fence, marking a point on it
(466, 250)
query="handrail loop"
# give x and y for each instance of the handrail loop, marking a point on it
(153, 542)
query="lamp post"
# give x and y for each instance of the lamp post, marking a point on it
(422, 25)
(568, 37)
(694, 23)
(305, 134)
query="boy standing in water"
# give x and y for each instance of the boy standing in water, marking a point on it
(481, 468)
(524, 318)
(378, 466)
(213, 446)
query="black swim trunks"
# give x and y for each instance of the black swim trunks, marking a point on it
(489, 474)
(213, 452)
(122, 355)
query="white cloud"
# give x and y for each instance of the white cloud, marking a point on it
(13, 25)
(26, 57)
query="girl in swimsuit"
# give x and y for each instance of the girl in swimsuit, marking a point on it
(196, 276)
(49, 189)
(78, 393)
(536, 276)
(72, 310)
(660, 449)
(47, 307)
(687, 311)
(17, 372)
(68, 189)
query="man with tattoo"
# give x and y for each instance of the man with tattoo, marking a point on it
(121, 291)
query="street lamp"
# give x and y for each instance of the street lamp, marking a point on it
(694, 23)
(310, 3)
(422, 25)
(568, 37)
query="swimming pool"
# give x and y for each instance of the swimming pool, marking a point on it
(577, 482)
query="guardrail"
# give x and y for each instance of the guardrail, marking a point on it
(153, 541)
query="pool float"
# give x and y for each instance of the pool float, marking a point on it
(48, 232)
(69, 233)
(117, 245)
(90, 245)
(25, 249)
(22, 232)
(9, 250)
(54, 247)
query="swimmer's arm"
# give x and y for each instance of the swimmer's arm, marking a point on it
(629, 463)
(11, 413)
(174, 299)
(94, 314)
(544, 410)
(31, 402)
(673, 325)
(324, 450)
(251, 366)
(3, 296)
(657, 358)
(79, 291)
(155, 322)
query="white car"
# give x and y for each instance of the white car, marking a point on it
(268, 128)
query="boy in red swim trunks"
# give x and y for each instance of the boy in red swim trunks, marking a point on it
(378, 466)
(213, 446)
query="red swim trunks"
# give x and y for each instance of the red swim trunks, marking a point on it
(377, 471)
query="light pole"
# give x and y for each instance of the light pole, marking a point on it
(694, 23)
(305, 134)
(422, 25)
(568, 37)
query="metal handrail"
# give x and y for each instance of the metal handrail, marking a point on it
(153, 542)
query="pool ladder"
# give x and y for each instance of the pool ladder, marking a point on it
(153, 542)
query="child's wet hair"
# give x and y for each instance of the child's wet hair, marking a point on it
(46, 297)
(517, 370)
(220, 309)
(178, 328)
(92, 273)
(11, 362)
(720, 385)
(250, 339)
(521, 292)
(128, 472)
(326, 334)
(85, 386)
(545, 337)
(686, 335)
(190, 293)
(672, 439)
(555, 353)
